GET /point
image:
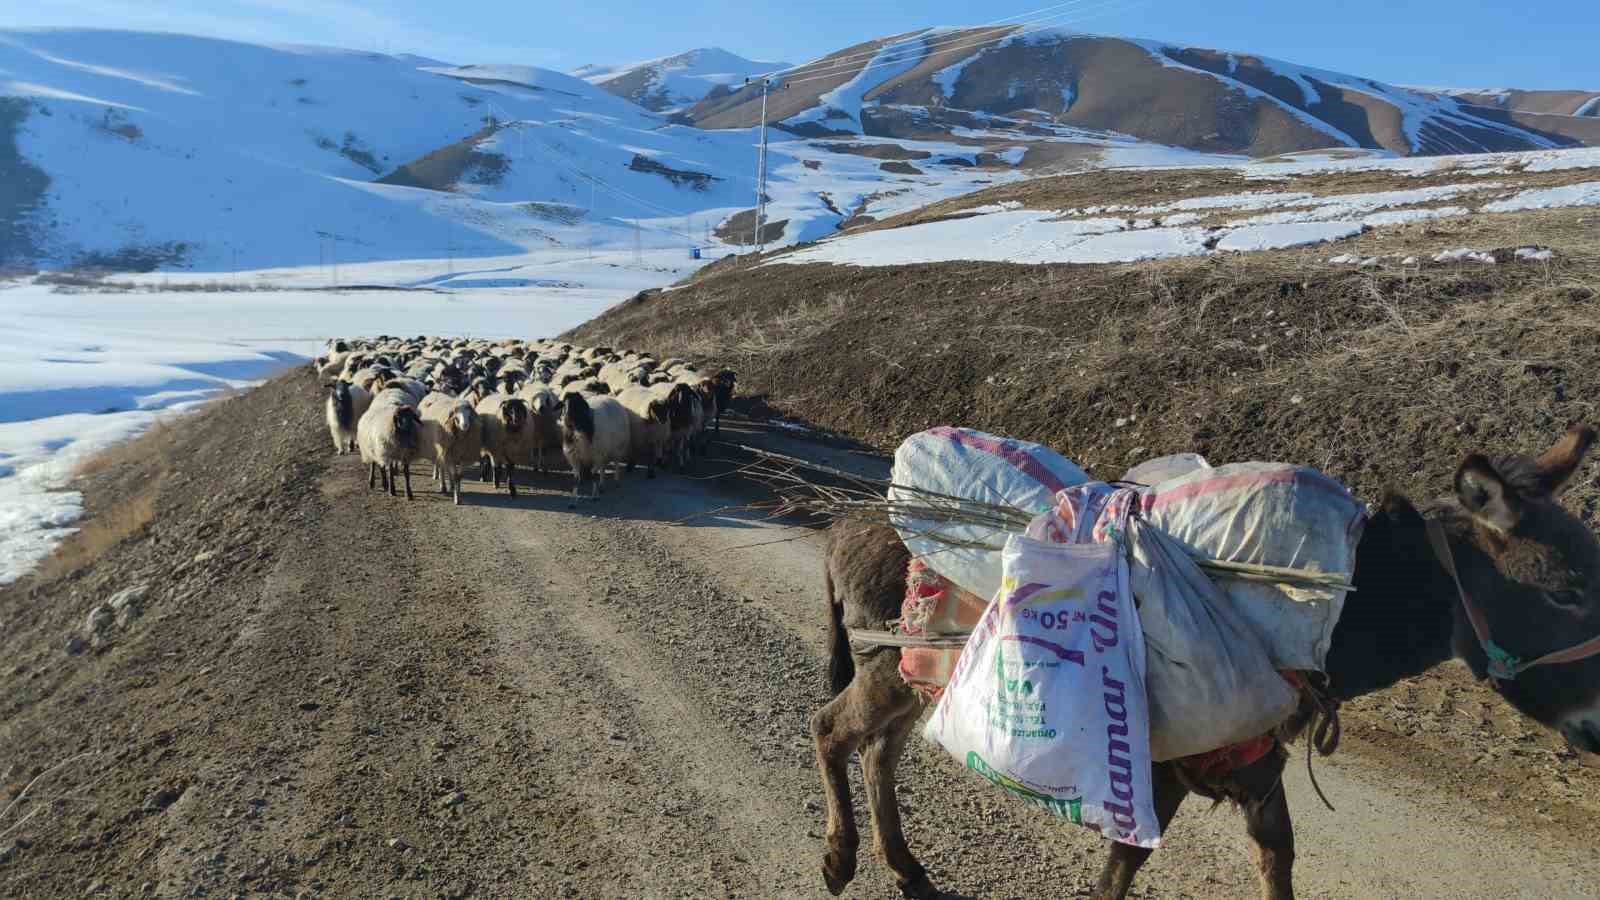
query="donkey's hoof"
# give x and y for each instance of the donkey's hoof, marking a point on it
(837, 871)
(920, 888)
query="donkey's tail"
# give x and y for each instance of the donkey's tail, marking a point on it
(841, 667)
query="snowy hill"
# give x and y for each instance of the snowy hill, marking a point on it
(943, 81)
(672, 83)
(138, 151)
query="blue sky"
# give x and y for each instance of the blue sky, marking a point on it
(1466, 43)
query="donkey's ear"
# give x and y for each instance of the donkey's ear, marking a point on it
(1484, 494)
(1558, 464)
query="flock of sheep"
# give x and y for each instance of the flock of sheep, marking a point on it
(502, 404)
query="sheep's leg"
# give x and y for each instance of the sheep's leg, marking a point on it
(511, 478)
(455, 481)
(406, 467)
(393, 477)
(1123, 860)
(372, 474)
(483, 469)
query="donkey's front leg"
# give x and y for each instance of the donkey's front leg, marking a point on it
(1266, 813)
(1124, 860)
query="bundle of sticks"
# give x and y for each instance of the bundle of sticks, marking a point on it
(947, 520)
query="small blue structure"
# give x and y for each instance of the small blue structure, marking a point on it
(694, 252)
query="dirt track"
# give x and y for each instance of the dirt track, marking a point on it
(382, 698)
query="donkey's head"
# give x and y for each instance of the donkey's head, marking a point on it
(1533, 570)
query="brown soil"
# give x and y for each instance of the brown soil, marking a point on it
(679, 177)
(877, 151)
(445, 167)
(740, 228)
(899, 168)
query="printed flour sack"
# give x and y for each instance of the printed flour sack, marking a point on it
(961, 462)
(1048, 699)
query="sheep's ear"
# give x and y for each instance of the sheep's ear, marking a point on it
(1487, 496)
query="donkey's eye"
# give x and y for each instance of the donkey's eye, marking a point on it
(1571, 599)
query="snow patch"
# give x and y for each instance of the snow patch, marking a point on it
(1282, 237)
(1583, 194)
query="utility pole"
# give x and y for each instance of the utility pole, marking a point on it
(761, 168)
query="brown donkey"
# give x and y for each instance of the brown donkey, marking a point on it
(1521, 607)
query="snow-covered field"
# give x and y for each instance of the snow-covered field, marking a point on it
(80, 371)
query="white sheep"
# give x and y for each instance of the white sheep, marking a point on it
(389, 438)
(594, 435)
(452, 437)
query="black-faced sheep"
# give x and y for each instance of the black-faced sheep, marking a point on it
(594, 435)
(649, 427)
(505, 436)
(724, 381)
(683, 405)
(389, 438)
(344, 408)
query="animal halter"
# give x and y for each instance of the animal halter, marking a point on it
(1503, 666)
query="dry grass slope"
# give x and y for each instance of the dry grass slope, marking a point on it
(1380, 377)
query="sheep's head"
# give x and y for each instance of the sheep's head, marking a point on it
(514, 413)
(406, 421)
(659, 411)
(462, 420)
(576, 416)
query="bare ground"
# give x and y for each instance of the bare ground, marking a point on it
(332, 693)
